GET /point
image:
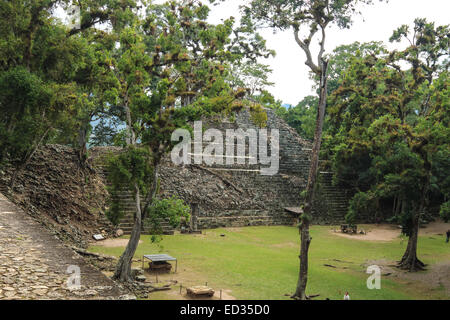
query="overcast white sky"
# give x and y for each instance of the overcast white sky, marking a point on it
(376, 23)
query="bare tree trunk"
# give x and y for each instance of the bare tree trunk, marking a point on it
(394, 205)
(123, 267)
(82, 149)
(409, 260)
(132, 135)
(154, 189)
(82, 144)
(305, 218)
(305, 238)
(28, 157)
(10, 127)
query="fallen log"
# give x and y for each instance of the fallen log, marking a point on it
(162, 288)
(92, 254)
(225, 180)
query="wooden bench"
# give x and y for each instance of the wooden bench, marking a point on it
(159, 259)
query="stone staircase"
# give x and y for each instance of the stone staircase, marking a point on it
(239, 218)
(128, 204)
(331, 199)
(3, 188)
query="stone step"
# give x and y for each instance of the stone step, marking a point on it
(145, 232)
(130, 223)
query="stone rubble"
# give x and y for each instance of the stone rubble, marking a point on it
(57, 192)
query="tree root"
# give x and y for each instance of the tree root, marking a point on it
(412, 265)
(295, 297)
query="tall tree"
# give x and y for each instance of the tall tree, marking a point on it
(312, 18)
(57, 61)
(37, 65)
(172, 69)
(390, 126)
(100, 23)
(302, 117)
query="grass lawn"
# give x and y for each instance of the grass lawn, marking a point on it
(262, 263)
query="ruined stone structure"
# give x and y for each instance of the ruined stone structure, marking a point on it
(238, 195)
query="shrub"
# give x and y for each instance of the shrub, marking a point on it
(171, 209)
(445, 211)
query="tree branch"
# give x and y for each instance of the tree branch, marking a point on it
(305, 47)
(322, 46)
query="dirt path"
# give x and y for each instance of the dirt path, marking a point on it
(382, 232)
(388, 232)
(113, 243)
(435, 228)
(34, 263)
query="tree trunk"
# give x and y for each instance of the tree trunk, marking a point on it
(154, 189)
(27, 158)
(82, 149)
(409, 260)
(300, 293)
(305, 239)
(394, 205)
(132, 136)
(123, 268)
(10, 128)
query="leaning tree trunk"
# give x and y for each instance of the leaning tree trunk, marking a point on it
(153, 191)
(123, 267)
(409, 260)
(10, 127)
(82, 148)
(305, 238)
(26, 160)
(82, 152)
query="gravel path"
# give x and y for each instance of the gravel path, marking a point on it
(34, 264)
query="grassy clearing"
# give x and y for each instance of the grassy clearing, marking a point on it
(262, 263)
